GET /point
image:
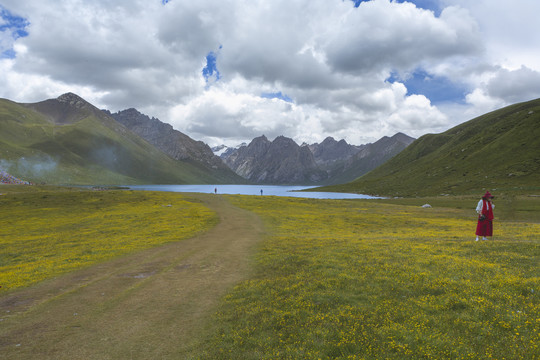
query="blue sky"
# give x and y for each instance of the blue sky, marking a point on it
(210, 71)
(277, 95)
(350, 69)
(438, 89)
(13, 27)
(433, 5)
(211, 74)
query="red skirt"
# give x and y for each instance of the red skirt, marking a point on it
(484, 228)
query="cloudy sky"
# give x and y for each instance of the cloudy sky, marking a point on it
(228, 71)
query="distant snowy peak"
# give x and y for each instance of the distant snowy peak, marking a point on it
(223, 151)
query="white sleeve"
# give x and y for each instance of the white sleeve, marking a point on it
(479, 206)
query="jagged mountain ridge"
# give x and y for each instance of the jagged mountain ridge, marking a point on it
(281, 161)
(329, 162)
(329, 151)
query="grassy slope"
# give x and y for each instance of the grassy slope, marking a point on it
(499, 151)
(89, 151)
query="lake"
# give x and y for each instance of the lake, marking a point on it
(267, 190)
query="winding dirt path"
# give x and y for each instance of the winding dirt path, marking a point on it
(154, 304)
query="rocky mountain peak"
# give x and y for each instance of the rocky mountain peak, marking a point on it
(284, 141)
(281, 161)
(259, 140)
(331, 150)
(68, 108)
(401, 137)
(174, 143)
(329, 140)
(73, 100)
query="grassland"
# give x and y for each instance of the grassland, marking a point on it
(45, 233)
(330, 279)
(369, 280)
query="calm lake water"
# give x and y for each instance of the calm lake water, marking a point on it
(267, 190)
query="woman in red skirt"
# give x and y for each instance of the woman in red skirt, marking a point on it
(485, 217)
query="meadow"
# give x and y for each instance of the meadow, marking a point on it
(330, 279)
(374, 280)
(47, 232)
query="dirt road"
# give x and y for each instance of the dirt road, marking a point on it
(155, 304)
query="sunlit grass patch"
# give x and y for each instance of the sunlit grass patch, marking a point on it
(44, 234)
(366, 280)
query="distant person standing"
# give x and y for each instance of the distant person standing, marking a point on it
(261, 192)
(215, 190)
(484, 209)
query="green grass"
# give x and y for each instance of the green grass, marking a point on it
(334, 279)
(521, 208)
(46, 232)
(372, 280)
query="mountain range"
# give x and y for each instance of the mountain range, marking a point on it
(69, 141)
(283, 161)
(280, 161)
(498, 151)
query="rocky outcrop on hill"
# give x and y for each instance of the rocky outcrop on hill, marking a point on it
(172, 142)
(368, 157)
(281, 161)
(331, 151)
(66, 109)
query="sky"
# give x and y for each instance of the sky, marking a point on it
(225, 72)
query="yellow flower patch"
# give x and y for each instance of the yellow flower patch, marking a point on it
(49, 233)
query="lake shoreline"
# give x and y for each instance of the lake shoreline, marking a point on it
(296, 191)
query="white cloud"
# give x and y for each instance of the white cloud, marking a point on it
(383, 35)
(332, 59)
(514, 85)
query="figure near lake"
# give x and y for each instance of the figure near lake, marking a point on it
(485, 206)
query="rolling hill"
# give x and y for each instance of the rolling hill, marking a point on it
(69, 141)
(499, 151)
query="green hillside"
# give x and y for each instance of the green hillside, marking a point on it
(58, 143)
(499, 151)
